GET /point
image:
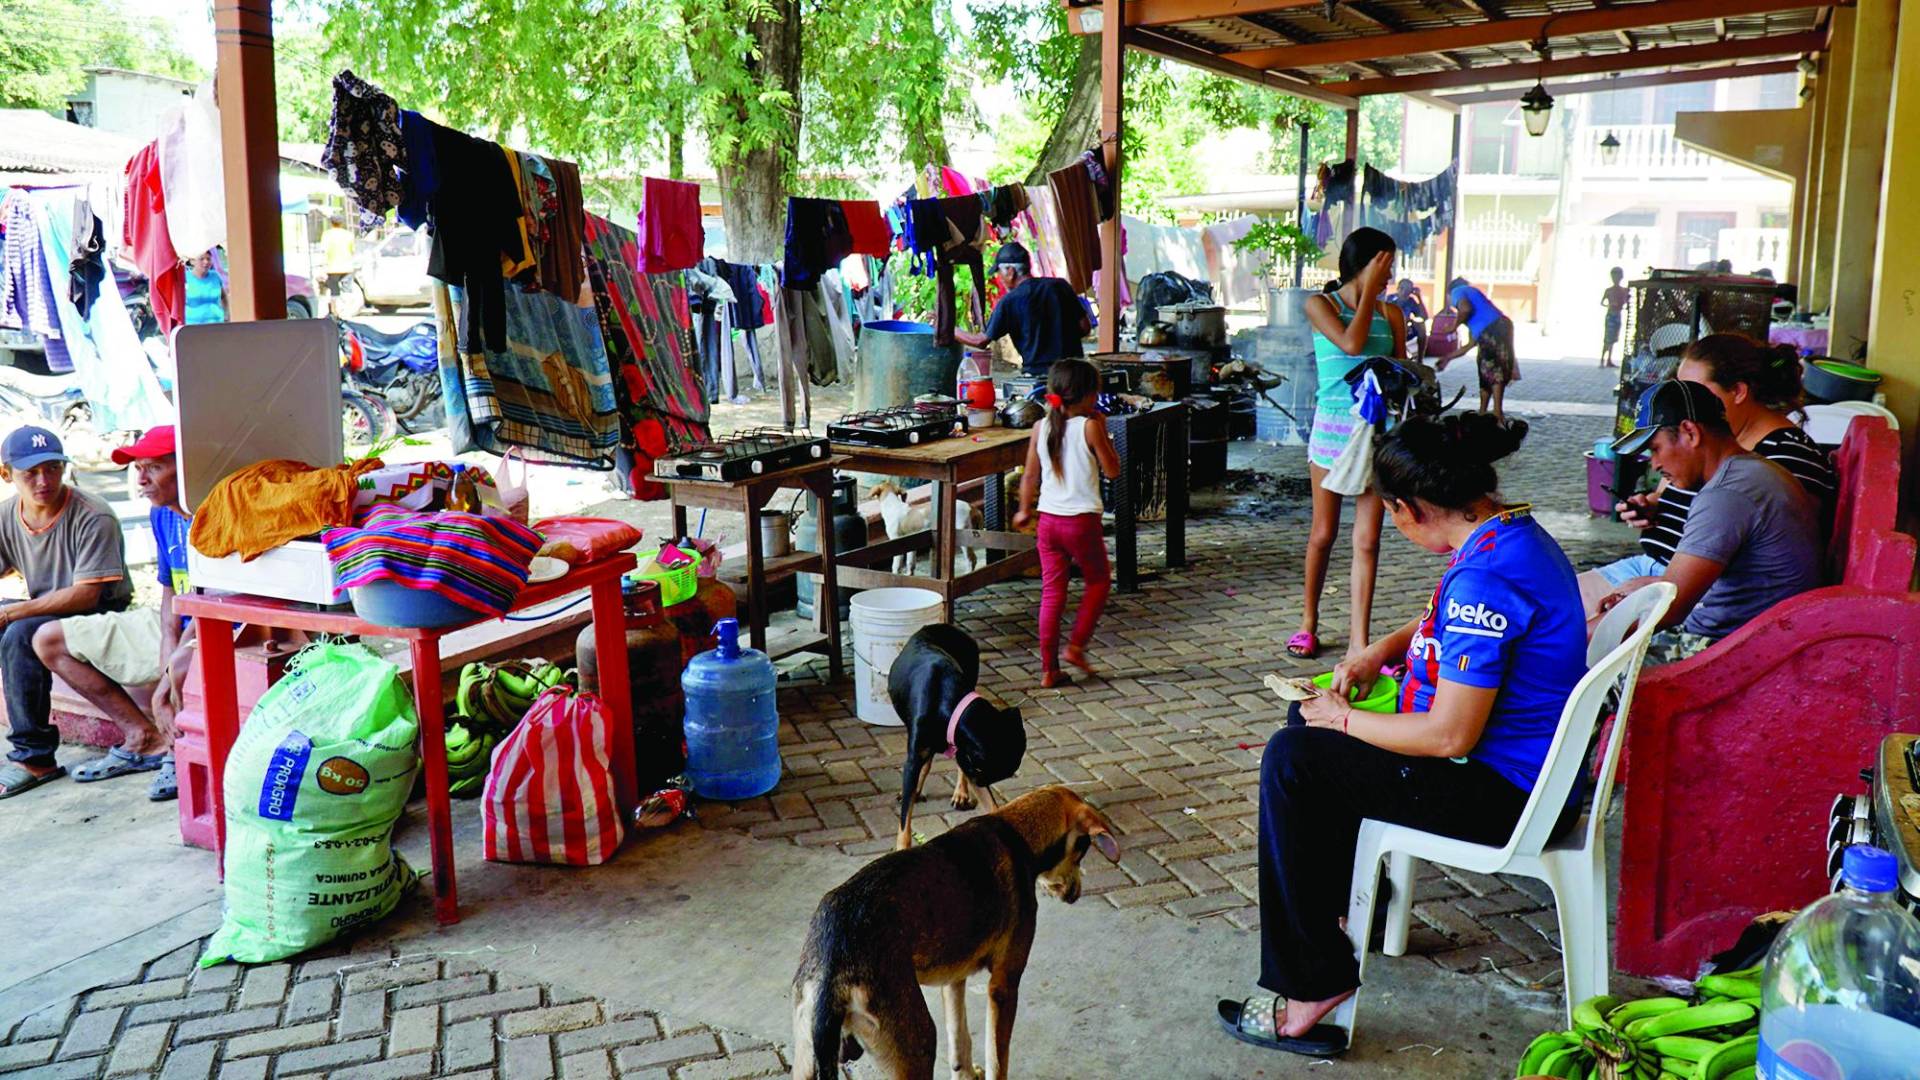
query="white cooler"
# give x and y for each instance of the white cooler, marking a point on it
(251, 392)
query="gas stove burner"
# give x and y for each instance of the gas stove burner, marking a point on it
(746, 453)
(900, 425)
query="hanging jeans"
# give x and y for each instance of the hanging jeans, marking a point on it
(1316, 785)
(1068, 540)
(716, 352)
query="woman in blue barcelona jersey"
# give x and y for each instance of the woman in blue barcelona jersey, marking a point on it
(1491, 664)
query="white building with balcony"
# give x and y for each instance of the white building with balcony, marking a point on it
(1545, 218)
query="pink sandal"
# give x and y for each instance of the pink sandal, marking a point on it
(1303, 645)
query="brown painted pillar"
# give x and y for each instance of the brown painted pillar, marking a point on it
(1453, 233)
(250, 147)
(1113, 57)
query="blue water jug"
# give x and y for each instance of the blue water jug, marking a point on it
(733, 728)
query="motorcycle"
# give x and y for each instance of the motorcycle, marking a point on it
(402, 368)
(53, 400)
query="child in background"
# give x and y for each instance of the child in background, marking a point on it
(1615, 297)
(1066, 456)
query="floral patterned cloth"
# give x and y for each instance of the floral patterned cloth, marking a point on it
(364, 148)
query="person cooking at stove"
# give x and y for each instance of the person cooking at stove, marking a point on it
(1043, 315)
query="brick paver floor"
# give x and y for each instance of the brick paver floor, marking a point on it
(364, 1014)
(1167, 740)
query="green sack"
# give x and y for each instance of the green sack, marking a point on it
(314, 784)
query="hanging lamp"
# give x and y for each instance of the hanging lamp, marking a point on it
(1609, 149)
(1537, 109)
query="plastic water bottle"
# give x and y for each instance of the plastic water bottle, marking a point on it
(1840, 999)
(733, 729)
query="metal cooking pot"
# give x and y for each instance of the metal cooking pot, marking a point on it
(1021, 414)
(1155, 334)
(1198, 326)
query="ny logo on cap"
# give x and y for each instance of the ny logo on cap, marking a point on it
(39, 440)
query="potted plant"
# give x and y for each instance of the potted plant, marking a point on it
(1279, 245)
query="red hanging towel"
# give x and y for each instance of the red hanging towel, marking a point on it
(870, 233)
(670, 234)
(145, 231)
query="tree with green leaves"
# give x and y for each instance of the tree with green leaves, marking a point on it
(45, 44)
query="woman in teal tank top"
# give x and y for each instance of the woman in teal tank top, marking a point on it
(1350, 323)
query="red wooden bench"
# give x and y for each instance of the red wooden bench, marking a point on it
(1736, 753)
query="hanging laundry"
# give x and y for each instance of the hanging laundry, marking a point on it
(476, 225)
(542, 208)
(109, 363)
(1234, 273)
(866, 229)
(836, 303)
(1043, 233)
(670, 233)
(146, 235)
(1095, 163)
(26, 287)
(548, 390)
(1077, 215)
(646, 326)
(711, 299)
(86, 267)
(926, 231)
(563, 270)
(966, 223)
(789, 329)
(817, 238)
(1005, 203)
(193, 176)
(420, 177)
(518, 258)
(364, 150)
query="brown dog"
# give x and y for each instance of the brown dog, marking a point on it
(931, 916)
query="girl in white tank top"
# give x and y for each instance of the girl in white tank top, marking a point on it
(1066, 456)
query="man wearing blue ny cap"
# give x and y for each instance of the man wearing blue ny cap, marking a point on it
(67, 545)
(1753, 534)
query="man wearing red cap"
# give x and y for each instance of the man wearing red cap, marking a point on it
(130, 664)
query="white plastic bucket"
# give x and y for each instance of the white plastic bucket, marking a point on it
(883, 620)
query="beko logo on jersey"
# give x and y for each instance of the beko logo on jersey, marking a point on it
(1476, 615)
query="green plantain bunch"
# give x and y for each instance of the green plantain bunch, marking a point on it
(1663, 1038)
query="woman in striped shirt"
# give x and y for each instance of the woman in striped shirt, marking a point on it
(1760, 386)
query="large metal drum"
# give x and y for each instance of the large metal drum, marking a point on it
(899, 360)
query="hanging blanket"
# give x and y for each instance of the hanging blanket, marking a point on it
(475, 561)
(549, 391)
(648, 331)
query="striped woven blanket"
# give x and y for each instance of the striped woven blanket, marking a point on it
(479, 562)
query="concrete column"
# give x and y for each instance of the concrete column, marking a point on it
(1806, 196)
(1836, 82)
(1893, 334)
(1863, 160)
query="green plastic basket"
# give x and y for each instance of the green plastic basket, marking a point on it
(677, 584)
(1384, 698)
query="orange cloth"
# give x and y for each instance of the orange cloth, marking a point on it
(265, 505)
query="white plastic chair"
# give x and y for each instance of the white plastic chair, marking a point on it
(1574, 867)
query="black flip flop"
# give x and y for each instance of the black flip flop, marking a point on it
(19, 781)
(1324, 1040)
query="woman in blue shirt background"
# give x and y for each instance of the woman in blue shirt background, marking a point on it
(206, 292)
(1489, 330)
(1351, 322)
(1491, 664)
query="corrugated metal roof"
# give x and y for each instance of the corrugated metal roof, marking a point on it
(34, 142)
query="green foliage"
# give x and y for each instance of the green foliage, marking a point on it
(1278, 243)
(45, 43)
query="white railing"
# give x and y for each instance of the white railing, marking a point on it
(1646, 150)
(1498, 248)
(1754, 249)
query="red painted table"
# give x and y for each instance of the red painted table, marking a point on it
(216, 658)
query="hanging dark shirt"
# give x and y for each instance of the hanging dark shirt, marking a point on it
(1042, 315)
(817, 239)
(475, 223)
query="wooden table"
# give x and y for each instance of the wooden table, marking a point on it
(987, 454)
(990, 454)
(223, 713)
(749, 497)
